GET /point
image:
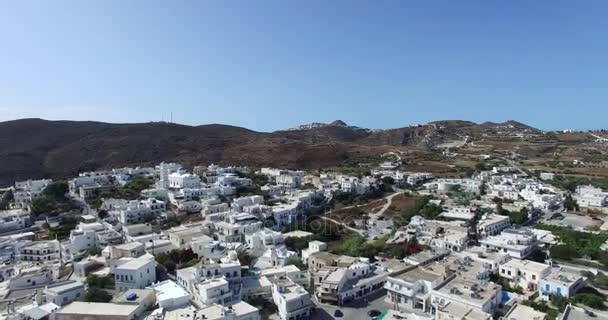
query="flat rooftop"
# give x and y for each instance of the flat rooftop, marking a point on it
(526, 264)
(464, 288)
(141, 294)
(564, 277)
(418, 274)
(168, 289)
(462, 311)
(520, 311)
(64, 287)
(137, 263)
(578, 313)
(299, 234)
(129, 245)
(94, 308)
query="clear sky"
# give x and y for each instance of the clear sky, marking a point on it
(268, 65)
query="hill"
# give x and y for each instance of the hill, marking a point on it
(36, 148)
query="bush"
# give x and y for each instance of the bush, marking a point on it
(590, 300)
(600, 281)
(559, 302)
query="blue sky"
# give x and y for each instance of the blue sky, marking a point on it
(268, 65)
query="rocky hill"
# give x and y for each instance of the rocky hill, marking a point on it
(36, 148)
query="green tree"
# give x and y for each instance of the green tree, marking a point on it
(42, 204)
(388, 181)
(398, 252)
(431, 211)
(296, 244)
(519, 217)
(296, 262)
(95, 294)
(106, 282)
(6, 199)
(102, 214)
(56, 190)
(246, 258)
(353, 246)
(570, 204)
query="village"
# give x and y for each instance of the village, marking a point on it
(238, 243)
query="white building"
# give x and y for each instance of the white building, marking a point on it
(170, 295)
(547, 175)
(440, 234)
(87, 187)
(138, 211)
(64, 293)
(517, 243)
(524, 273)
(591, 197)
(520, 311)
(561, 283)
(410, 290)
(96, 310)
(14, 219)
(84, 237)
(44, 251)
(459, 213)
(135, 273)
(212, 291)
(290, 181)
(179, 180)
(292, 300)
(182, 234)
(338, 285)
(238, 203)
(165, 169)
(33, 276)
(418, 177)
(493, 224)
(460, 298)
(493, 259)
(448, 184)
(313, 247)
(27, 191)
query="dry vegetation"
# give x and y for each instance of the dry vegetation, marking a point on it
(400, 202)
